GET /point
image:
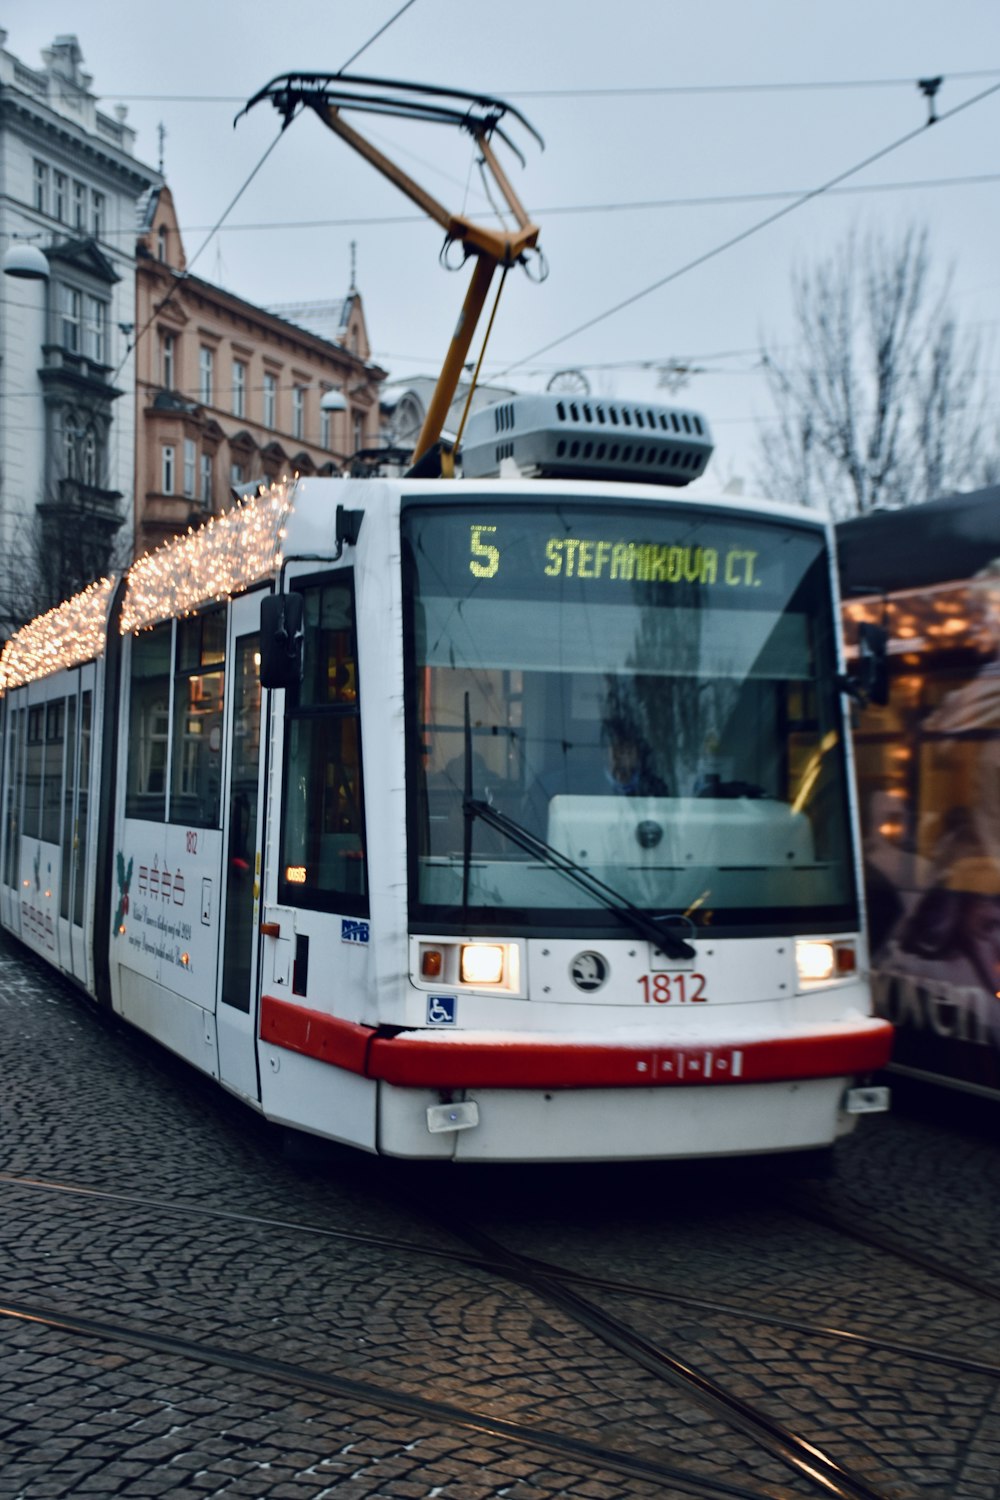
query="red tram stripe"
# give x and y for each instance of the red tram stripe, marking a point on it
(298, 1029)
(412, 1060)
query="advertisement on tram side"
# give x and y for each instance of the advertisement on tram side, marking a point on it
(929, 783)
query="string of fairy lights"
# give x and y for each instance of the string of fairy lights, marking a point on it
(209, 565)
(226, 555)
(71, 633)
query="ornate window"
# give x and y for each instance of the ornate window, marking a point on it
(95, 344)
(168, 351)
(190, 467)
(206, 366)
(89, 475)
(206, 480)
(71, 305)
(71, 445)
(42, 187)
(239, 388)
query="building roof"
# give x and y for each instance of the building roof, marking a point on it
(327, 320)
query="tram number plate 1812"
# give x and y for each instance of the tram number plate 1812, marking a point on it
(681, 988)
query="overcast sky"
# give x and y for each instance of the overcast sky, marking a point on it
(640, 102)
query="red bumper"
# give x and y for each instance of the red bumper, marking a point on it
(442, 1060)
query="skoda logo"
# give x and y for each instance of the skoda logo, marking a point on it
(649, 834)
(588, 971)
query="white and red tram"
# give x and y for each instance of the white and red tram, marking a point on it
(517, 824)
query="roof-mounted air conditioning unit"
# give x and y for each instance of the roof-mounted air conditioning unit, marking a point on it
(572, 437)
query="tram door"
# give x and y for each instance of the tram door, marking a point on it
(236, 1012)
(75, 825)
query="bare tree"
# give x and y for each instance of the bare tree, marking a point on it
(56, 552)
(882, 404)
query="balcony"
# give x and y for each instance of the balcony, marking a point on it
(74, 502)
(64, 369)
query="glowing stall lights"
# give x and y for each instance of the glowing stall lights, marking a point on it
(227, 555)
(71, 633)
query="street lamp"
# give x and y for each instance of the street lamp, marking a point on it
(332, 400)
(25, 260)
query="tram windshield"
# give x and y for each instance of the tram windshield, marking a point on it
(651, 691)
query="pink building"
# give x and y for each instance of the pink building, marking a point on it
(230, 395)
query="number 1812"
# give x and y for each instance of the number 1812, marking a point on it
(684, 989)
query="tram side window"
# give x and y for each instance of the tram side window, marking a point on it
(196, 760)
(14, 749)
(69, 793)
(34, 756)
(323, 830)
(83, 809)
(52, 783)
(149, 703)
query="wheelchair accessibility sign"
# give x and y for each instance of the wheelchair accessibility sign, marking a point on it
(441, 1010)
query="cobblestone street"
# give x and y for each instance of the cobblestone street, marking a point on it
(191, 1310)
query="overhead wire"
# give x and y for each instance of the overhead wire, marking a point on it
(623, 91)
(752, 229)
(182, 276)
(158, 309)
(642, 205)
(777, 87)
(375, 36)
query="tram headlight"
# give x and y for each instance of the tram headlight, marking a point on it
(481, 963)
(471, 965)
(821, 962)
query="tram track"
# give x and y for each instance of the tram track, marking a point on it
(84, 1326)
(557, 1286)
(804, 1458)
(891, 1246)
(495, 1264)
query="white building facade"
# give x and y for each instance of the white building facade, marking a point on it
(69, 184)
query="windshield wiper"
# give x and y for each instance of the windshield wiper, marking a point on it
(672, 945)
(473, 808)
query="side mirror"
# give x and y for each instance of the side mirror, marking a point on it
(282, 632)
(869, 683)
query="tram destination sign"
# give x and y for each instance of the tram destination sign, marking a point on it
(558, 551)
